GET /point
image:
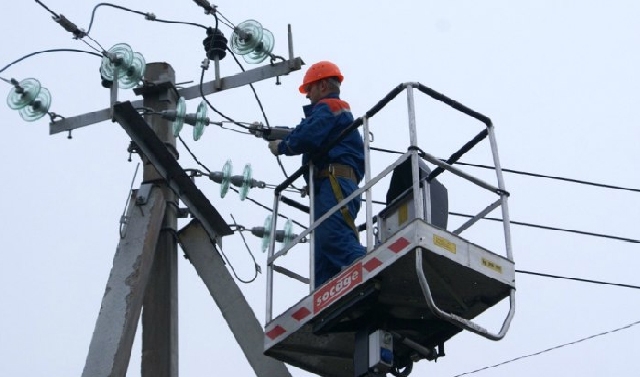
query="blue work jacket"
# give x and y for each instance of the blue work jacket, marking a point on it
(323, 122)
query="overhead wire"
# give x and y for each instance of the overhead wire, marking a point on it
(225, 20)
(572, 180)
(520, 172)
(600, 235)
(47, 8)
(148, 15)
(626, 327)
(204, 98)
(575, 231)
(100, 50)
(255, 264)
(71, 27)
(578, 279)
(48, 51)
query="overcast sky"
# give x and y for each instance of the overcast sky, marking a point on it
(559, 79)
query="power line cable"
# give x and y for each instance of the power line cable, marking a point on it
(147, 15)
(624, 239)
(48, 51)
(195, 158)
(255, 264)
(226, 20)
(47, 8)
(551, 349)
(268, 209)
(536, 175)
(520, 223)
(578, 279)
(211, 106)
(572, 180)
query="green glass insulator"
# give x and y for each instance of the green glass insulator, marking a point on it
(246, 182)
(288, 232)
(27, 92)
(266, 238)
(38, 108)
(201, 120)
(115, 65)
(181, 110)
(227, 169)
(263, 49)
(246, 36)
(134, 72)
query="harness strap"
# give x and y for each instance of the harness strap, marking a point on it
(337, 191)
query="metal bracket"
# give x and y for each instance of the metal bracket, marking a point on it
(142, 196)
(163, 88)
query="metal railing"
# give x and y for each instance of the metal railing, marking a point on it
(421, 194)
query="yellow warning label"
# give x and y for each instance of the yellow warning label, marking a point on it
(494, 266)
(444, 243)
(403, 214)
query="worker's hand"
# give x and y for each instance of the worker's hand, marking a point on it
(273, 146)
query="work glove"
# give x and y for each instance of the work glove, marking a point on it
(273, 146)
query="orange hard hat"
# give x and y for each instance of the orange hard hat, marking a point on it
(320, 70)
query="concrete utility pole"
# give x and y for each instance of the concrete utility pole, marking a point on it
(160, 306)
(144, 277)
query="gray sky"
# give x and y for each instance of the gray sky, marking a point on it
(559, 80)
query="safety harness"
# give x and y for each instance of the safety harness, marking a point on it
(344, 171)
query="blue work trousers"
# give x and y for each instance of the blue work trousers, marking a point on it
(336, 244)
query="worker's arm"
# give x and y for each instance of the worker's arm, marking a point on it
(310, 134)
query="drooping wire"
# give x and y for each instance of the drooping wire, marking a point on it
(148, 15)
(212, 107)
(578, 279)
(47, 51)
(552, 348)
(255, 264)
(624, 239)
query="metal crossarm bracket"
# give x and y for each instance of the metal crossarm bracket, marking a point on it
(169, 168)
(244, 78)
